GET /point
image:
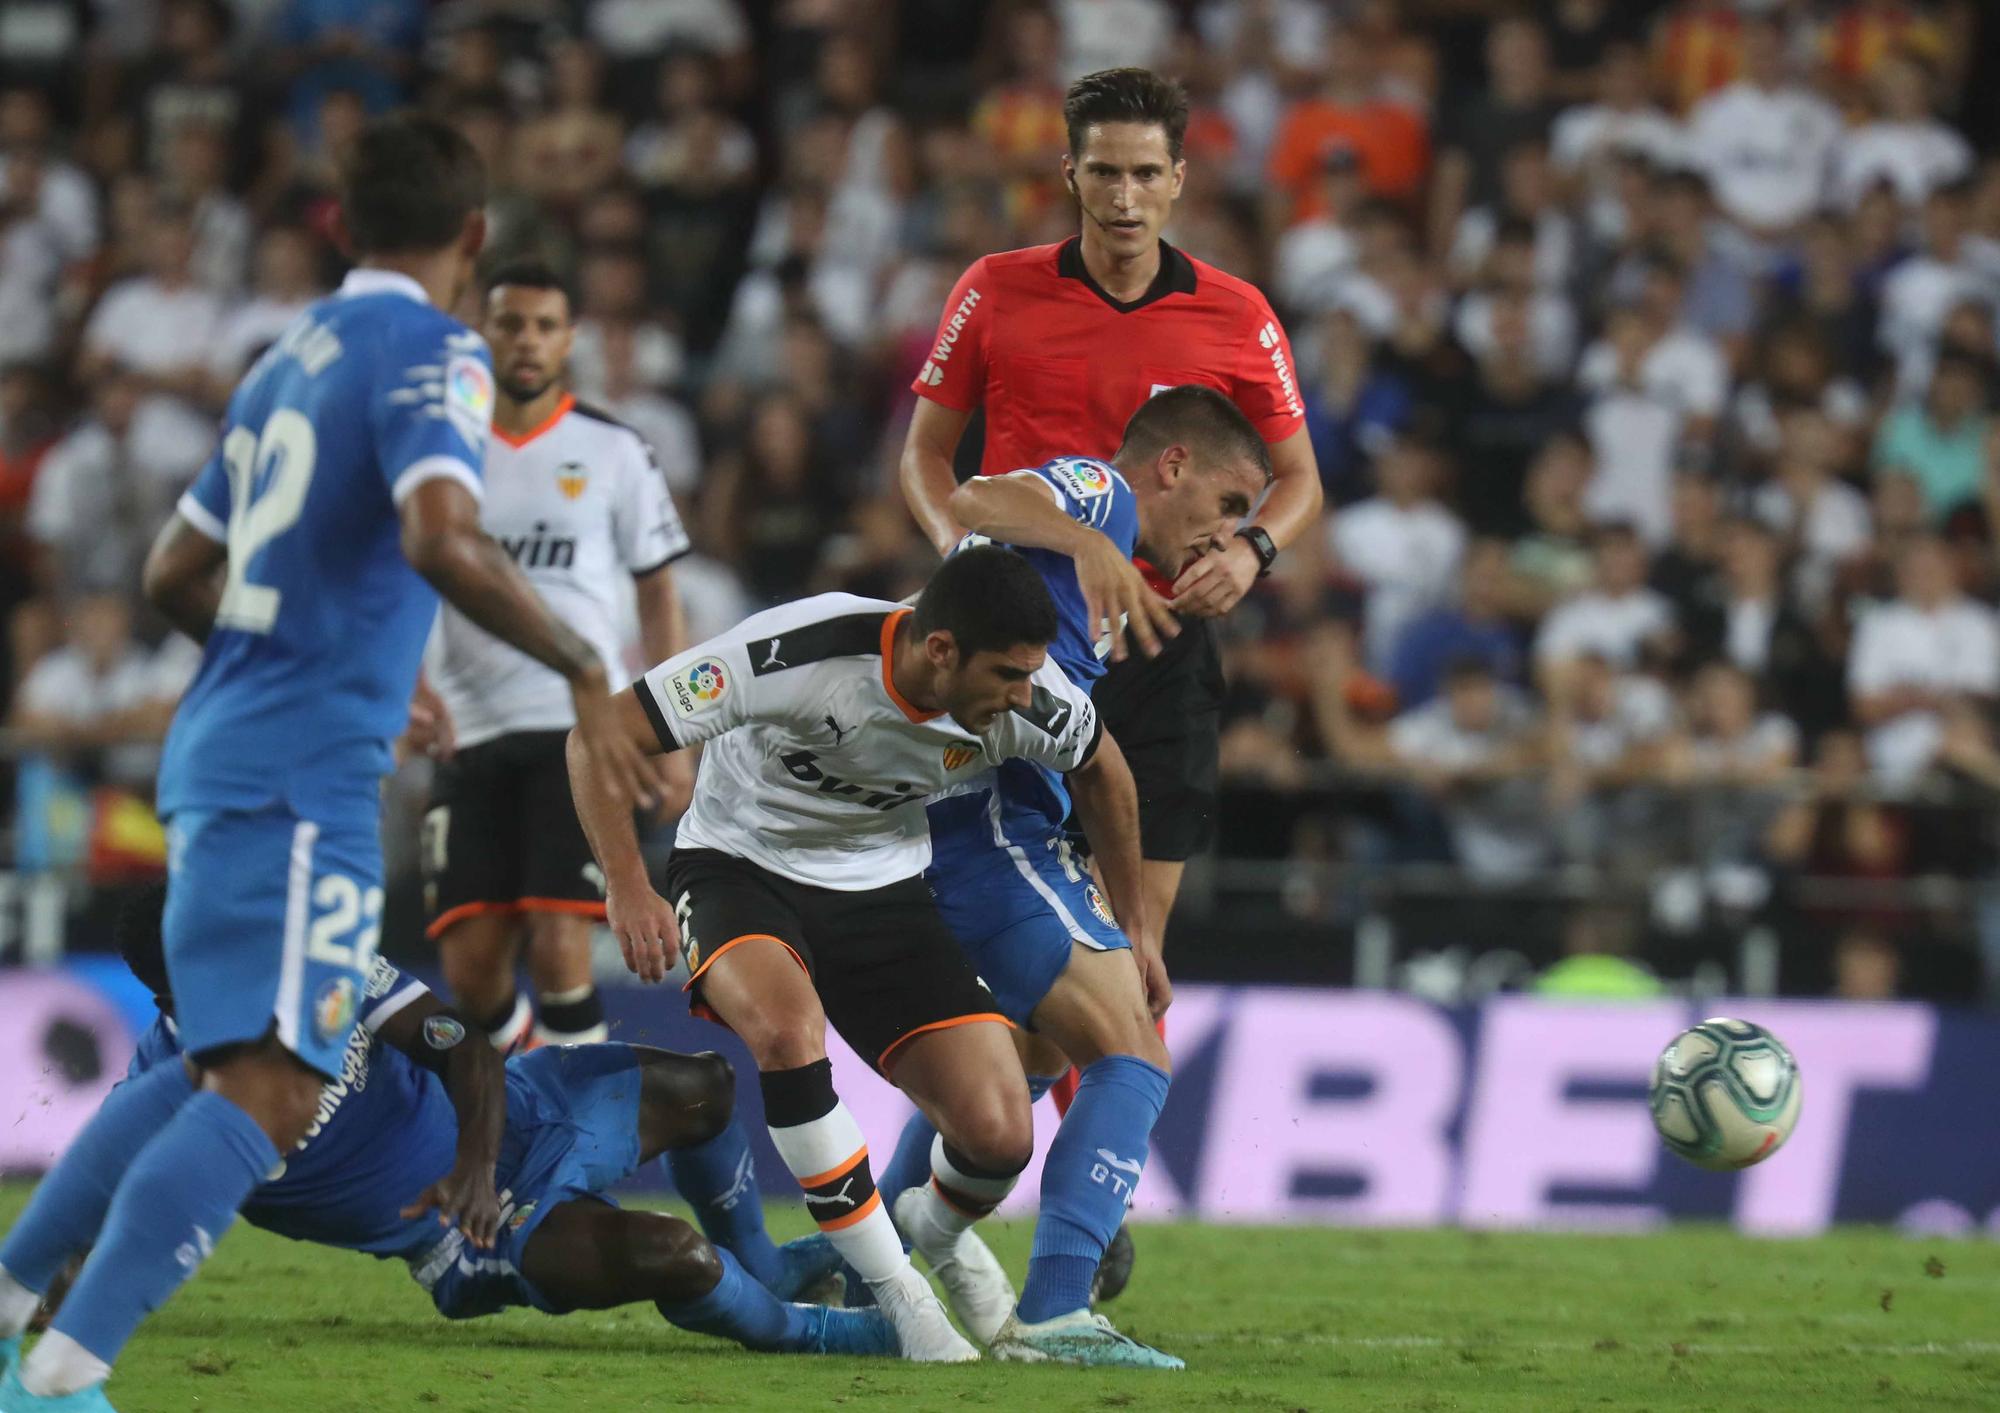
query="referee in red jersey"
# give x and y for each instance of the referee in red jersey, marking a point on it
(1059, 345)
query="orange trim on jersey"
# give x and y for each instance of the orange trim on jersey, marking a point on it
(445, 921)
(562, 409)
(576, 907)
(840, 1170)
(861, 1213)
(889, 626)
(882, 1064)
(709, 961)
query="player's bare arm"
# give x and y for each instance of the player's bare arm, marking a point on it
(926, 474)
(663, 634)
(183, 576)
(636, 914)
(1020, 510)
(1217, 582)
(443, 541)
(1107, 805)
(475, 1080)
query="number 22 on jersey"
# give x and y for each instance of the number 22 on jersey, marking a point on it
(287, 448)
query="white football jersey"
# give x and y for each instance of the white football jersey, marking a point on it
(581, 508)
(817, 768)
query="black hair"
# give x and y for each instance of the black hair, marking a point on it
(531, 272)
(136, 930)
(989, 599)
(1126, 96)
(1199, 418)
(409, 184)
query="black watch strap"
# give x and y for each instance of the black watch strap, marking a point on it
(1265, 547)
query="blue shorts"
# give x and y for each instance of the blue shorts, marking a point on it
(572, 1131)
(1016, 908)
(271, 925)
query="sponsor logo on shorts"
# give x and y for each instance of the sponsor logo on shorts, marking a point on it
(1083, 479)
(571, 478)
(959, 757)
(333, 1008)
(698, 688)
(1099, 909)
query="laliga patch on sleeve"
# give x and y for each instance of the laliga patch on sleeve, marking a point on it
(468, 396)
(695, 689)
(1083, 479)
(443, 1032)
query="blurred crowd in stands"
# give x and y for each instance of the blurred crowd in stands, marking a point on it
(1649, 353)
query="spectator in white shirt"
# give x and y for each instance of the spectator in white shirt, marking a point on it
(1609, 736)
(1618, 619)
(1104, 34)
(1764, 142)
(287, 281)
(159, 326)
(102, 700)
(1954, 268)
(1912, 658)
(65, 197)
(1402, 545)
(31, 262)
(1528, 195)
(1589, 139)
(1905, 145)
(1314, 254)
(1646, 345)
(1475, 752)
(197, 175)
(1826, 520)
(105, 488)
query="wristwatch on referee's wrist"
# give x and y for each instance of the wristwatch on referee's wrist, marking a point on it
(1262, 545)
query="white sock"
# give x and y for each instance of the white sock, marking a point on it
(59, 1366)
(17, 1305)
(954, 1199)
(515, 1029)
(830, 1160)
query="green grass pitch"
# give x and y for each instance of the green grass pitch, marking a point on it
(1278, 1319)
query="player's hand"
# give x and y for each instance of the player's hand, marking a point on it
(643, 922)
(616, 758)
(1217, 582)
(430, 732)
(1153, 973)
(1116, 593)
(463, 1198)
(671, 779)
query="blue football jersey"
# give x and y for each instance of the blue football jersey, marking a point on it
(307, 675)
(384, 1132)
(1033, 801)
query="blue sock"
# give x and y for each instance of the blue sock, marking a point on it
(719, 1181)
(741, 1309)
(177, 1199)
(67, 1210)
(1084, 1192)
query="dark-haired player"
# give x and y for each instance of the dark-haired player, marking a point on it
(574, 497)
(425, 1123)
(1036, 928)
(308, 558)
(1058, 345)
(797, 873)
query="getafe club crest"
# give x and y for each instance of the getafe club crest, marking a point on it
(1098, 906)
(958, 757)
(333, 1008)
(571, 478)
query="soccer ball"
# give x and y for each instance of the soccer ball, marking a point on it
(1726, 1094)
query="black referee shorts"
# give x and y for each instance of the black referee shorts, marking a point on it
(885, 965)
(1165, 713)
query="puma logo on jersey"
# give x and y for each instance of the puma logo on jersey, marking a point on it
(771, 658)
(838, 730)
(833, 1199)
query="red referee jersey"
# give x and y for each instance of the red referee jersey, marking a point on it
(1060, 366)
